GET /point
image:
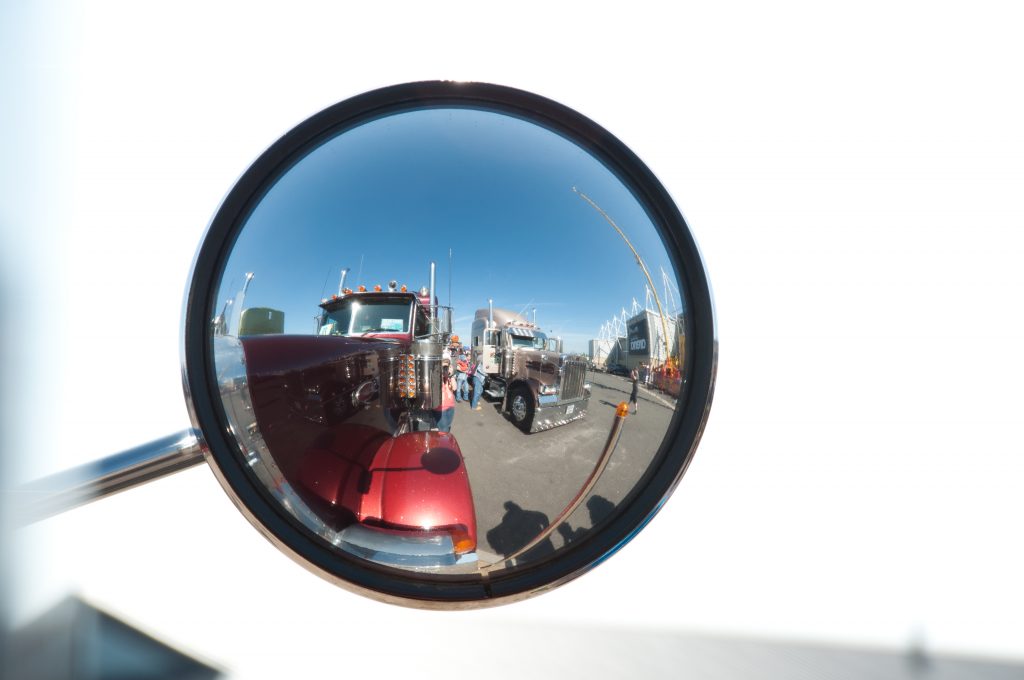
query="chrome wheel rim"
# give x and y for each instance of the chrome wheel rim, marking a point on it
(519, 408)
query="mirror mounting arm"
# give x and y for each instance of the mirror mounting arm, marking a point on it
(69, 489)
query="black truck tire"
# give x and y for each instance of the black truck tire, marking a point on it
(520, 407)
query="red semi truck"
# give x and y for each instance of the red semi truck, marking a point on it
(341, 425)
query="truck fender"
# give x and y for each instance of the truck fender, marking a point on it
(531, 384)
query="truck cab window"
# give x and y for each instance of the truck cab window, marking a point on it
(360, 317)
(337, 322)
(422, 324)
(536, 342)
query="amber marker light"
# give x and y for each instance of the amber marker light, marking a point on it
(461, 540)
(622, 410)
(362, 289)
(377, 288)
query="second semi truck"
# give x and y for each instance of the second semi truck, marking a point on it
(540, 387)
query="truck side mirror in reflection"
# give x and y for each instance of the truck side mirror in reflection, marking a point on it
(355, 429)
(379, 451)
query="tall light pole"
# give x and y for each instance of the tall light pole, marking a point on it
(241, 300)
(643, 267)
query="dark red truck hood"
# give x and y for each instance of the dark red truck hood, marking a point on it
(342, 460)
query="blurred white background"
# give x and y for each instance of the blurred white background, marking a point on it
(854, 176)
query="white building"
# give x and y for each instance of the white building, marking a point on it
(600, 349)
(644, 342)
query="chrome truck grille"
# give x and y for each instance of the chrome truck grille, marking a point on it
(574, 375)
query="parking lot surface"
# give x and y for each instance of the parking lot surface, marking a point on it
(521, 481)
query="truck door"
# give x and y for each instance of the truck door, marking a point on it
(488, 351)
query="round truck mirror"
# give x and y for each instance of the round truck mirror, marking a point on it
(405, 336)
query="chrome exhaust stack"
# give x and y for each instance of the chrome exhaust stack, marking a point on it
(341, 284)
(433, 268)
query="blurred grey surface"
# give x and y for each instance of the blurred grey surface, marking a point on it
(580, 652)
(74, 640)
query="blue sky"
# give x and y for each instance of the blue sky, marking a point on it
(400, 191)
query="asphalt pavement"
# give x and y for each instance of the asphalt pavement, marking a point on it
(521, 481)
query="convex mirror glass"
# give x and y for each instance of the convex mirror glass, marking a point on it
(413, 325)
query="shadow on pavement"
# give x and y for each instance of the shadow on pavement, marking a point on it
(600, 509)
(518, 527)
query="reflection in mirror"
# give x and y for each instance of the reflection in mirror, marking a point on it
(425, 333)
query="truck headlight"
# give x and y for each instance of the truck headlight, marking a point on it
(549, 389)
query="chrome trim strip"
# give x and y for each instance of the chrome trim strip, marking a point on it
(584, 492)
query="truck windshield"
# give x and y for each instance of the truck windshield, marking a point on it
(360, 317)
(536, 342)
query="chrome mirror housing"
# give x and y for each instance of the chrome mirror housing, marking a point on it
(332, 419)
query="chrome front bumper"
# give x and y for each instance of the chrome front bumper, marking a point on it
(554, 414)
(423, 550)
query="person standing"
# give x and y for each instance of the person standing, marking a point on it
(461, 380)
(636, 388)
(479, 377)
(446, 415)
